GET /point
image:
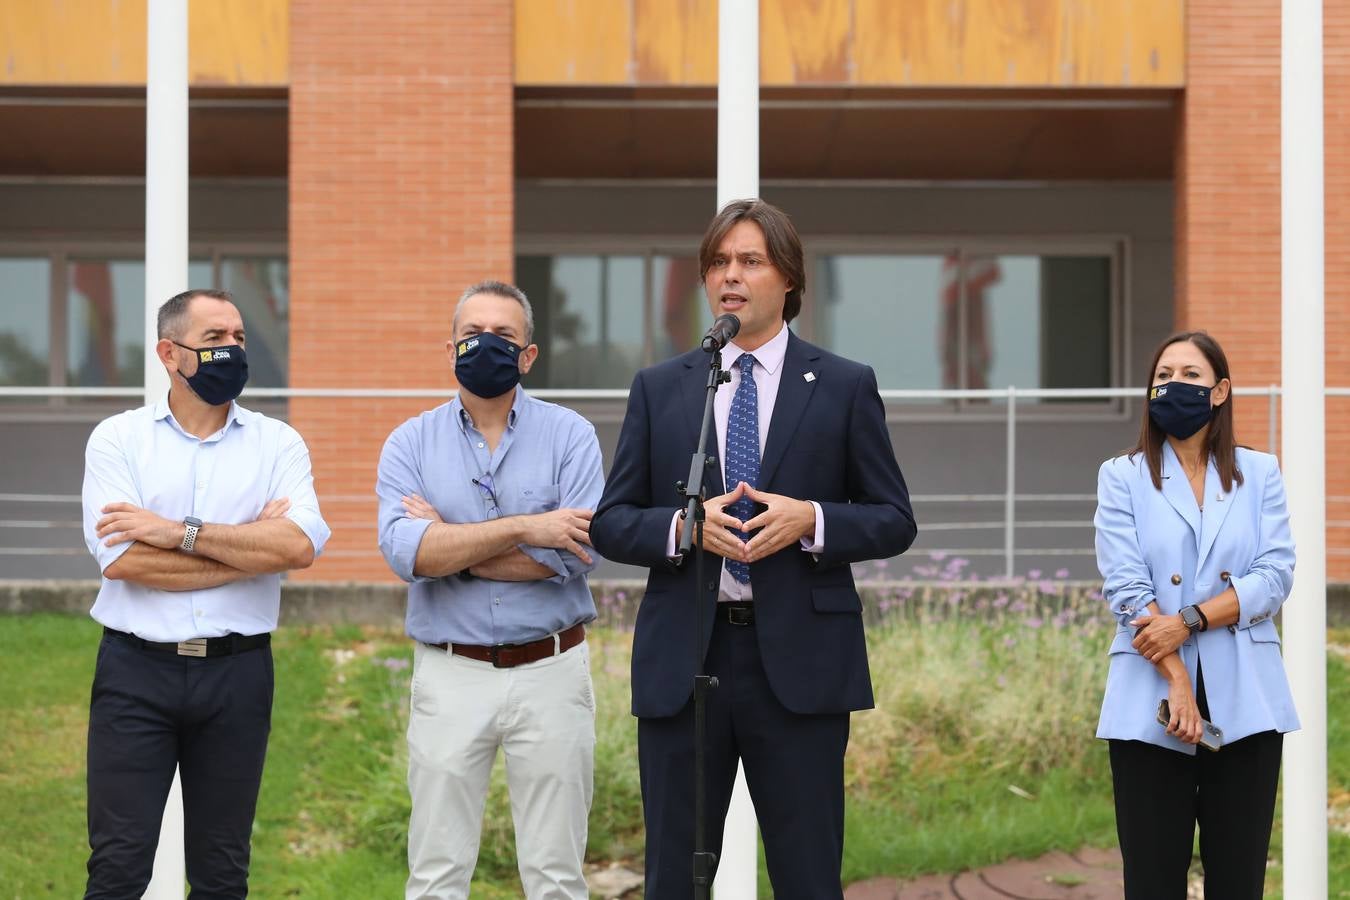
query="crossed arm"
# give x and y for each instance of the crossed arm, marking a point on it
(490, 549)
(221, 555)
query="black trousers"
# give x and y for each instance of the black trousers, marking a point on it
(794, 768)
(1160, 796)
(149, 711)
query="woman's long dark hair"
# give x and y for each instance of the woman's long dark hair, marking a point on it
(1221, 443)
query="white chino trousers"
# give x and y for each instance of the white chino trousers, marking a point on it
(542, 715)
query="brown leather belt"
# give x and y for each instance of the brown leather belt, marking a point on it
(506, 656)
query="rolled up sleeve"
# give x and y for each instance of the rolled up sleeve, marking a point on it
(1127, 581)
(1263, 589)
(107, 479)
(581, 481)
(400, 476)
(295, 481)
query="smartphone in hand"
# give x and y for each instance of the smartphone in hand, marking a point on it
(1211, 735)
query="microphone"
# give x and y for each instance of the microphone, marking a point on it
(721, 333)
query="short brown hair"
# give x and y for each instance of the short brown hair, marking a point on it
(780, 238)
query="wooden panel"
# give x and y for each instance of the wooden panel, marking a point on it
(566, 42)
(238, 43)
(1020, 43)
(675, 41)
(805, 42)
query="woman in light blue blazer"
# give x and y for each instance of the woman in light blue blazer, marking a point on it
(1194, 545)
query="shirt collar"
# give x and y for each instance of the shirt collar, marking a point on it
(236, 416)
(464, 420)
(770, 355)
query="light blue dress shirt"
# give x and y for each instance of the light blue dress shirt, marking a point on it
(548, 458)
(144, 457)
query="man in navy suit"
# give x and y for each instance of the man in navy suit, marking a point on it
(801, 440)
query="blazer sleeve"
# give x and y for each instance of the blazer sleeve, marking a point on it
(1127, 578)
(626, 527)
(877, 522)
(1263, 588)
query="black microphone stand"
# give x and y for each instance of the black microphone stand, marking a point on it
(705, 862)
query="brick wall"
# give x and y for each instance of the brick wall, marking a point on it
(1228, 192)
(1336, 97)
(1228, 215)
(401, 194)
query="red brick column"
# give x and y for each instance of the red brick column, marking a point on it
(401, 194)
(1336, 97)
(1228, 192)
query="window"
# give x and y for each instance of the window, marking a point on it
(937, 317)
(588, 318)
(76, 315)
(261, 289)
(958, 319)
(25, 320)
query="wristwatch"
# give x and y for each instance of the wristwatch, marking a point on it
(1193, 618)
(194, 525)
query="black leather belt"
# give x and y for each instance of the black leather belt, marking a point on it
(737, 613)
(216, 646)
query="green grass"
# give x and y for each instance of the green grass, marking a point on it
(980, 749)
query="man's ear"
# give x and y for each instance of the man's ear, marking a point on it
(164, 350)
(527, 358)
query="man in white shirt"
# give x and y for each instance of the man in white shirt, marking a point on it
(193, 506)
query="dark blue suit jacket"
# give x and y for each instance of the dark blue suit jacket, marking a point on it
(828, 443)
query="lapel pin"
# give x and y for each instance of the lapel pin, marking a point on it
(810, 377)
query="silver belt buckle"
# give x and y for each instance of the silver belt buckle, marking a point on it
(193, 647)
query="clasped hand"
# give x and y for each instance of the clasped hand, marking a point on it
(1159, 636)
(783, 521)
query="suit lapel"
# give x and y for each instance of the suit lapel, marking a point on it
(695, 393)
(1217, 505)
(1177, 490)
(794, 391)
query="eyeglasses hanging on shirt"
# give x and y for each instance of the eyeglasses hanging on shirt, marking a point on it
(484, 484)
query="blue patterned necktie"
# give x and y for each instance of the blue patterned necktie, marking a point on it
(742, 462)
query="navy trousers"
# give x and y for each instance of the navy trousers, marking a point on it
(150, 710)
(794, 768)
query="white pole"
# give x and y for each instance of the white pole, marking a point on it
(1304, 448)
(737, 179)
(166, 267)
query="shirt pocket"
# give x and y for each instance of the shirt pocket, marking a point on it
(538, 498)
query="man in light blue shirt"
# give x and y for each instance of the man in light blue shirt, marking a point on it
(485, 509)
(193, 506)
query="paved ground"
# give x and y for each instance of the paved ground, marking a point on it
(1085, 875)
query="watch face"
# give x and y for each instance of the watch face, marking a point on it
(193, 521)
(1190, 616)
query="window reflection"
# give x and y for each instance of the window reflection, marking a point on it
(588, 317)
(25, 323)
(105, 322)
(261, 290)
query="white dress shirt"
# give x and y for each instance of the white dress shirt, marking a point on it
(144, 457)
(768, 373)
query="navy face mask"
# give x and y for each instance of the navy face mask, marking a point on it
(486, 365)
(221, 373)
(1180, 409)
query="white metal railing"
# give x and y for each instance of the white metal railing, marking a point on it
(1009, 497)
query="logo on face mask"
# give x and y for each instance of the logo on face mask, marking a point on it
(1181, 412)
(221, 373)
(487, 365)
